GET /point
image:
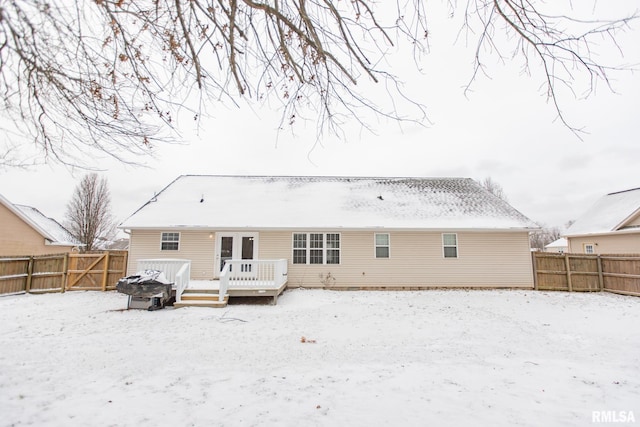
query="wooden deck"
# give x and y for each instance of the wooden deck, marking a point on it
(238, 278)
(258, 288)
(205, 293)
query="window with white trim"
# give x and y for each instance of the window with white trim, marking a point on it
(316, 248)
(588, 248)
(450, 245)
(170, 241)
(382, 245)
(333, 248)
(299, 248)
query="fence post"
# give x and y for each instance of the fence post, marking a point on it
(27, 286)
(568, 266)
(600, 275)
(70, 266)
(65, 267)
(105, 272)
(534, 261)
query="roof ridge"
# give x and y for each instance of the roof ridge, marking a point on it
(457, 178)
(623, 191)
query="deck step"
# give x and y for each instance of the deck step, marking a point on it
(211, 304)
(201, 300)
(193, 296)
(200, 291)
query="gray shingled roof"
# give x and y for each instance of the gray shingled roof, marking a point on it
(262, 202)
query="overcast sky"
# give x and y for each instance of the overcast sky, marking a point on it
(504, 129)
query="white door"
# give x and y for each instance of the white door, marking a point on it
(236, 246)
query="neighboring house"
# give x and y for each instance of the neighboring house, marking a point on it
(121, 244)
(339, 232)
(610, 226)
(560, 246)
(26, 231)
(118, 244)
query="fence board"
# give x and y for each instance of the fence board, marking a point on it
(551, 272)
(48, 273)
(13, 274)
(83, 266)
(60, 272)
(96, 271)
(587, 273)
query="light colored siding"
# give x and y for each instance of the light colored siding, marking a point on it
(18, 238)
(484, 259)
(194, 245)
(628, 243)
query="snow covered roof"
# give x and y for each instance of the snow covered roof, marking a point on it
(609, 214)
(263, 202)
(560, 243)
(49, 228)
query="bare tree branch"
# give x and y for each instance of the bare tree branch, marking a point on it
(108, 77)
(494, 188)
(561, 44)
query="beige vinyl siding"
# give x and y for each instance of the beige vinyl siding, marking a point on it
(195, 245)
(417, 260)
(623, 243)
(19, 238)
(487, 259)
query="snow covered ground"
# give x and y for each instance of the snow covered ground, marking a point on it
(499, 358)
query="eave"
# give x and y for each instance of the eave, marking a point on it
(332, 228)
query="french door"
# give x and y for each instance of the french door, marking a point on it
(236, 246)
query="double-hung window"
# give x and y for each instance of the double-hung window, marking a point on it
(316, 248)
(300, 248)
(333, 248)
(382, 245)
(450, 245)
(588, 248)
(170, 241)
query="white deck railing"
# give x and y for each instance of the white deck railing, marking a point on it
(177, 271)
(252, 274)
(182, 280)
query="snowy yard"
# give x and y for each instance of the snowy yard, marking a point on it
(498, 358)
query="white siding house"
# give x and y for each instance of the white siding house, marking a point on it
(559, 246)
(339, 232)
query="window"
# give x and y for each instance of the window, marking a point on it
(316, 248)
(450, 245)
(588, 248)
(382, 245)
(299, 248)
(170, 241)
(316, 252)
(333, 248)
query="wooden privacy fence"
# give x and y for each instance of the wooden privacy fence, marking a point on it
(62, 272)
(587, 273)
(33, 274)
(96, 271)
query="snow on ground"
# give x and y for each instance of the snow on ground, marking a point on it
(499, 358)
